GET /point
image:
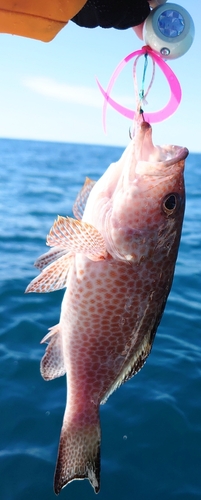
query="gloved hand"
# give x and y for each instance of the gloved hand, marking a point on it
(119, 14)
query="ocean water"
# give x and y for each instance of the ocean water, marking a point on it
(151, 426)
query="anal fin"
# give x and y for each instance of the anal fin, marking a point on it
(52, 363)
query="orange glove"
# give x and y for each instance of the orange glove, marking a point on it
(39, 19)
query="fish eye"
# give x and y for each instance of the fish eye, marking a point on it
(171, 203)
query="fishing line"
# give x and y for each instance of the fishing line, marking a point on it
(156, 116)
(141, 101)
(141, 93)
(140, 96)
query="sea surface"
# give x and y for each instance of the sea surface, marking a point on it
(151, 426)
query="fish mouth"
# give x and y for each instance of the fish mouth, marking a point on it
(145, 151)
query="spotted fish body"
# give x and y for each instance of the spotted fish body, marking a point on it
(117, 260)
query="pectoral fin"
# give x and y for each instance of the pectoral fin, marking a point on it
(82, 197)
(53, 277)
(78, 237)
(52, 363)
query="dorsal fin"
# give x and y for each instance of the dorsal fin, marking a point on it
(52, 363)
(131, 367)
(82, 197)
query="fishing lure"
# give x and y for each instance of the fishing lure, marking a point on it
(168, 33)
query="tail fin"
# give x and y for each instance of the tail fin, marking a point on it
(79, 454)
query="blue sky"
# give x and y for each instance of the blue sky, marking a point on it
(49, 91)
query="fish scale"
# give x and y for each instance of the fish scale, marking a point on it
(117, 261)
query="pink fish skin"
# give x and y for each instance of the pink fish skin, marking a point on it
(117, 262)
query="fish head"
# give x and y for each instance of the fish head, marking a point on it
(149, 198)
(141, 204)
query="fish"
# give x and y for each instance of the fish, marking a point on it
(116, 258)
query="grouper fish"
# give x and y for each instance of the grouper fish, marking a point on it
(116, 259)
